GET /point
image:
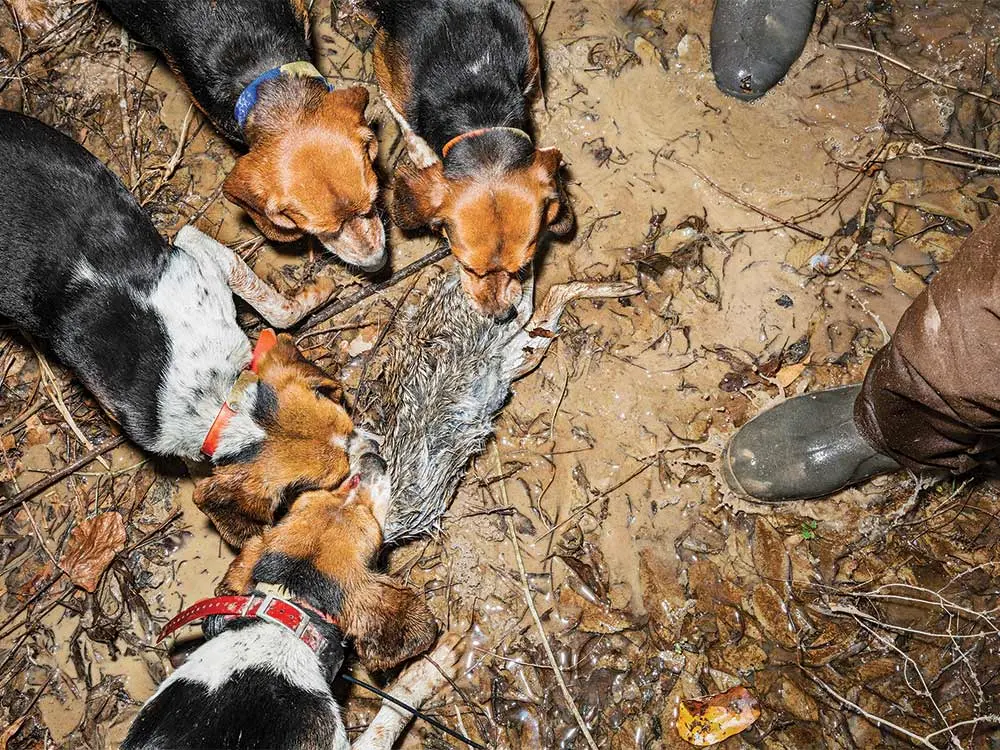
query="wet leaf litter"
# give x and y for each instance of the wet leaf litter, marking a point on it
(865, 619)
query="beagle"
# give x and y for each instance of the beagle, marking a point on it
(262, 680)
(150, 328)
(309, 162)
(458, 76)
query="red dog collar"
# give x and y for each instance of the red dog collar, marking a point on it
(265, 342)
(481, 131)
(269, 608)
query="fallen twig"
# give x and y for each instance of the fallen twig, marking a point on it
(56, 477)
(335, 307)
(529, 600)
(904, 66)
(52, 389)
(756, 209)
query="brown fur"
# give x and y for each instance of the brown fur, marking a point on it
(493, 224)
(339, 534)
(392, 72)
(494, 220)
(305, 447)
(309, 169)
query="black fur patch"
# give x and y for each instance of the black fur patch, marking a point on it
(499, 149)
(77, 253)
(302, 580)
(265, 408)
(219, 47)
(479, 83)
(252, 710)
(265, 414)
(289, 494)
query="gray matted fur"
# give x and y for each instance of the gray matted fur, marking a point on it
(439, 379)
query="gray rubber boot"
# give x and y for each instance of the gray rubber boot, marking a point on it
(805, 447)
(755, 42)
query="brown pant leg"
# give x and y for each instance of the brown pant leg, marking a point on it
(931, 398)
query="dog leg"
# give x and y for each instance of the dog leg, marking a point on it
(415, 686)
(538, 332)
(275, 308)
(239, 577)
(419, 151)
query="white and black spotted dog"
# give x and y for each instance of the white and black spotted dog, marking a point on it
(150, 328)
(263, 681)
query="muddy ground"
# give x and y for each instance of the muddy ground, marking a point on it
(777, 245)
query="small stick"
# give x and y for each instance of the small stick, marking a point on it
(336, 307)
(24, 417)
(55, 478)
(51, 387)
(538, 621)
(756, 209)
(904, 66)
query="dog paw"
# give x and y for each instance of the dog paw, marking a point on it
(317, 292)
(448, 653)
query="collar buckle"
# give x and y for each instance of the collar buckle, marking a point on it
(263, 613)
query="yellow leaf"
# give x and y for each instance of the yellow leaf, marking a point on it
(706, 721)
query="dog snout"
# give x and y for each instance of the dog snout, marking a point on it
(506, 316)
(360, 242)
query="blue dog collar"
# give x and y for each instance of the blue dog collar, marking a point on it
(248, 98)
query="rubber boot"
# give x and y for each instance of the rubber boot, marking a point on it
(805, 447)
(755, 42)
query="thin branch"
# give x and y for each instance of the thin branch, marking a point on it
(529, 600)
(904, 66)
(58, 476)
(335, 307)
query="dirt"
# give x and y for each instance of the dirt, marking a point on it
(777, 244)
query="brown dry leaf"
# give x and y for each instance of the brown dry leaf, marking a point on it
(906, 281)
(787, 375)
(706, 721)
(10, 731)
(802, 252)
(92, 546)
(594, 618)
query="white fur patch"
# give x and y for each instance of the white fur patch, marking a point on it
(207, 352)
(265, 647)
(84, 272)
(262, 646)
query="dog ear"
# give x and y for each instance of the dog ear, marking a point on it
(559, 216)
(354, 99)
(418, 196)
(228, 498)
(389, 622)
(284, 353)
(251, 186)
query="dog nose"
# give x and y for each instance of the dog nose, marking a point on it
(506, 316)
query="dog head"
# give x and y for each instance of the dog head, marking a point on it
(310, 169)
(322, 551)
(297, 437)
(493, 198)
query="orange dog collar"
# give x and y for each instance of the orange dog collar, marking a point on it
(481, 131)
(265, 342)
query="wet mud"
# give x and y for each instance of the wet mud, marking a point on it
(777, 244)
